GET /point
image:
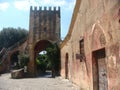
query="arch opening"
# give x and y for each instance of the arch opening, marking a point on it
(14, 63)
(40, 56)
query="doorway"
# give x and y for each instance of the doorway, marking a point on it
(99, 70)
(14, 63)
(66, 66)
(40, 56)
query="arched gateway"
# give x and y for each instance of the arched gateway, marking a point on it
(44, 28)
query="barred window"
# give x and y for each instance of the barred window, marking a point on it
(82, 52)
(82, 46)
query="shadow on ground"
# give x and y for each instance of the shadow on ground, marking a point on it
(47, 74)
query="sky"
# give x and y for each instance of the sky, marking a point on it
(15, 13)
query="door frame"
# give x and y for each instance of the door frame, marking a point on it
(66, 65)
(95, 69)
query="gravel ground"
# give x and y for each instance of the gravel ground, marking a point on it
(39, 83)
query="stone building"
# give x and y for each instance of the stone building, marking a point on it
(44, 28)
(90, 53)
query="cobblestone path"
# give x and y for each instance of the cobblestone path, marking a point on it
(40, 83)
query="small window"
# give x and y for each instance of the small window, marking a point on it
(82, 52)
(35, 24)
(119, 15)
(82, 47)
(45, 29)
(119, 12)
(35, 15)
(34, 28)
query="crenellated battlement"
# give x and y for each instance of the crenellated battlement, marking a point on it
(44, 8)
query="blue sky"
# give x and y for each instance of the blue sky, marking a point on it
(15, 13)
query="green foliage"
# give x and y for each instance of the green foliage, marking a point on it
(41, 62)
(50, 60)
(1, 64)
(9, 36)
(23, 60)
(53, 56)
(38, 61)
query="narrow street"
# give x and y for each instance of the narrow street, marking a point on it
(39, 83)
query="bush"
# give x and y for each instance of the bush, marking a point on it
(23, 60)
(41, 65)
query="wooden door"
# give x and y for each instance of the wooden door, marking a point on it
(99, 70)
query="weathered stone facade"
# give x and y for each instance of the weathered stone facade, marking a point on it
(90, 53)
(44, 28)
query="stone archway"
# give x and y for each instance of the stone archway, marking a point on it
(14, 59)
(41, 45)
(38, 47)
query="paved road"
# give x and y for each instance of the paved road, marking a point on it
(40, 83)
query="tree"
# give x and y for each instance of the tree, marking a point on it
(50, 60)
(53, 56)
(9, 36)
(41, 63)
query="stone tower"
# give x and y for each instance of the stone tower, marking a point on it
(44, 27)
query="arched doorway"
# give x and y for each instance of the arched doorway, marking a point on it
(14, 64)
(99, 67)
(66, 65)
(40, 56)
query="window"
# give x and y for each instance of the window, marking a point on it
(45, 29)
(34, 28)
(35, 15)
(82, 47)
(82, 52)
(119, 15)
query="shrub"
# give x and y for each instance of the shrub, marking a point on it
(23, 60)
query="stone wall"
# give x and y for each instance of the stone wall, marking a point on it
(20, 48)
(97, 23)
